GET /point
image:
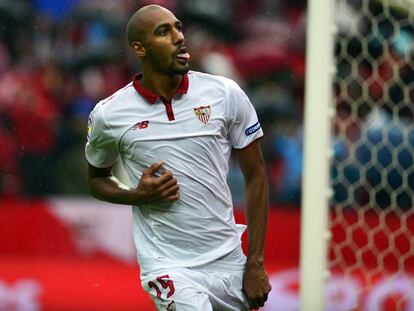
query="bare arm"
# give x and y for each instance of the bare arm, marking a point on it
(106, 187)
(256, 283)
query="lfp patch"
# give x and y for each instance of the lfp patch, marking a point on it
(252, 129)
(90, 127)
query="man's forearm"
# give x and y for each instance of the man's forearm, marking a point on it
(104, 186)
(110, 189)
(256, 284)
(256, 206)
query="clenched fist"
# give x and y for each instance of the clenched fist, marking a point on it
(157, 185)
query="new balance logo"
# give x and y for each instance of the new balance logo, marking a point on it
(140, 125)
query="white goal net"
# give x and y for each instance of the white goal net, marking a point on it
(371, 252)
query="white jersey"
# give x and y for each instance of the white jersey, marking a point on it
(194, 135)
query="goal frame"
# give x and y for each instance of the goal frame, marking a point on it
(317, 154)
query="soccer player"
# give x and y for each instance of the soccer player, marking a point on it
(173, 131)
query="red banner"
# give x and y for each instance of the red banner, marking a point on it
(78, 255)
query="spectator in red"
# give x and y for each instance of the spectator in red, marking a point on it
(33, 118)
(9, 179)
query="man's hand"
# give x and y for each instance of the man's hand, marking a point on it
(256, 285)
(153, 187)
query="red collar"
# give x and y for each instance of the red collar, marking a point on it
(152, 97)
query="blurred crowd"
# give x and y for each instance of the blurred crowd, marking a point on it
(374, 90)
(59, 58)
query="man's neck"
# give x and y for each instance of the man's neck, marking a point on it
(163, 85)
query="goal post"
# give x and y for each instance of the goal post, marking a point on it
(315, 185)
(357, 245)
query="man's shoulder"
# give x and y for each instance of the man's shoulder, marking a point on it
(203, 77)
(115, 99)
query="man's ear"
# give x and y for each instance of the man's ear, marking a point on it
(138, 49)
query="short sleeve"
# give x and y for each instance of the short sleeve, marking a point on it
(100, 150)
(244, 126)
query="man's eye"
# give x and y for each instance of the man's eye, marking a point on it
(162, 32)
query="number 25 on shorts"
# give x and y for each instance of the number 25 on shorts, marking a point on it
(166, 284)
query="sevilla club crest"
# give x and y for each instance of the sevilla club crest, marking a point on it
(203, 113)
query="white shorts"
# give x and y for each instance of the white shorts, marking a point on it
(203, 288)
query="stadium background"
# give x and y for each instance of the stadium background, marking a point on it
(62, 250)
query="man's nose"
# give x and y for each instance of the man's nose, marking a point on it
(178, 37)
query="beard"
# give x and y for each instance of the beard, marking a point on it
(167, 66)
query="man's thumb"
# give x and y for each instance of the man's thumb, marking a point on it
(153, 168)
